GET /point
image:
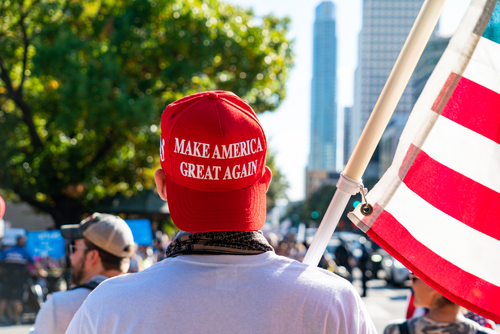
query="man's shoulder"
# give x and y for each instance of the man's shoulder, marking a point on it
(316, 274)
(477, 327)
(393, 328)
(69, 296)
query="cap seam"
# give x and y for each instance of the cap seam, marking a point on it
(218, 117)
(172, 132)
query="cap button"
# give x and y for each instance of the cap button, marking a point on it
(212, 95)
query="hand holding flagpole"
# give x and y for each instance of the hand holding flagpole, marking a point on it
(350, 179)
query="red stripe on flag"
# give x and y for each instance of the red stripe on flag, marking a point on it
(475, 107)
(455, 194)
(445, 92)
(410, 156)
(462, 287)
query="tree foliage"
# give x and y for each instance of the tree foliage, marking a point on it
(83, 84)
(312, 210)
(279, 184)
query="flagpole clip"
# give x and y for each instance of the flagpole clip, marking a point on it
(366, 208)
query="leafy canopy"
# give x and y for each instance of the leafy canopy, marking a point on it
(83, 84)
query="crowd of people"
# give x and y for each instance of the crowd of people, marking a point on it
(220, 273)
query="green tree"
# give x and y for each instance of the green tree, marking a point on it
(279, 184)
(83, 84)
(312, 210)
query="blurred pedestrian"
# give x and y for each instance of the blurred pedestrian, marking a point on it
(135, 264)
(14, 274)
(343, 256)
(363, 264)
(444, 316)
(101, 249)
(220, 274)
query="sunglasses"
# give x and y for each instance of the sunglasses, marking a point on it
(72, 248)
(414, 278)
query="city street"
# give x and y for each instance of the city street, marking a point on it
(384, 303)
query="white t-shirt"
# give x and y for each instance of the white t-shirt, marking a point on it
(57, 311)
(262, 293)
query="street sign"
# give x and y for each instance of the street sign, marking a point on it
(141, 230)
(45, 243)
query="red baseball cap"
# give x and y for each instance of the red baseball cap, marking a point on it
(213, 152)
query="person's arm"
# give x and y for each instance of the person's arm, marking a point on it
(45, 319)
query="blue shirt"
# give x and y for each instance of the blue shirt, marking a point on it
(15, 254)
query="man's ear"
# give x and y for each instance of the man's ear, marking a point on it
(91, 258)
(268, 175)
(160, 180)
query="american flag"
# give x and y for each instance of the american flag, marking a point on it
(436, 209)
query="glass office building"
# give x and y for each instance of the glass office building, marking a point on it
(323, 145)
(386, 25)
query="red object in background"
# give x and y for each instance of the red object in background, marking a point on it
(341, 225)
(2, 207)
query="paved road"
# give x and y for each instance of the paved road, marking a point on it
(24, 329)
(384, 303)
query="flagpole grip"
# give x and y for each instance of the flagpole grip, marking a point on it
(394, 87)
(346, 187)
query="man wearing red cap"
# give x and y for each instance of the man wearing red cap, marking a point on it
(220, 274)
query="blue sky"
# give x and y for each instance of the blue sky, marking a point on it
(287, 128)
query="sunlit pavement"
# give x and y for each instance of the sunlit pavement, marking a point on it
(22, 329)
(385, 303)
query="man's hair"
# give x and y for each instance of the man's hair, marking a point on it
(108, 260)
(443, 301)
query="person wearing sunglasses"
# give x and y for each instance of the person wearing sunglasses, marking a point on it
(444, 316)
(101, 246)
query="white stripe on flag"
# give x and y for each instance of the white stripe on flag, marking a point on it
(484, 67)
(465, 151)
(446, 236)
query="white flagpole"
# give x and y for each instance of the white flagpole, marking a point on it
(350, 179)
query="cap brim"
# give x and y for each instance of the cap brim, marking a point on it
(71, 232)
(204, 211)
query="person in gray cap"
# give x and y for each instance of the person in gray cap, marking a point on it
(101, 247)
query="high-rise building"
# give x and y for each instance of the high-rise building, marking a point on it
(347, 133)
(386, 25)
(428, 61)
(323, 149)
(323, 143)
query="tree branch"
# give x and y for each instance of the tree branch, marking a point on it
(28, 119)
(28, 199)
(26, 43)
(105, 147)
(18, 99)
(6, 79)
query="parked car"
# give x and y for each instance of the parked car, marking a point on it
(395, 272)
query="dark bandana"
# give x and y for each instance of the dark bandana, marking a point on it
(235, 243)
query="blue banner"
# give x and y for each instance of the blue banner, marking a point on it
(45, 243)
(141, 230)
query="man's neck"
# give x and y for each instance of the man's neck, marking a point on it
(92, 273)
(448, 313)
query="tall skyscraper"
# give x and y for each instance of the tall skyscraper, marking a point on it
(386, 25)
(323, 147)
(322, 154)
(347, 133)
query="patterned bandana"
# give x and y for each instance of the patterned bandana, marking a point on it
(234, 243)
